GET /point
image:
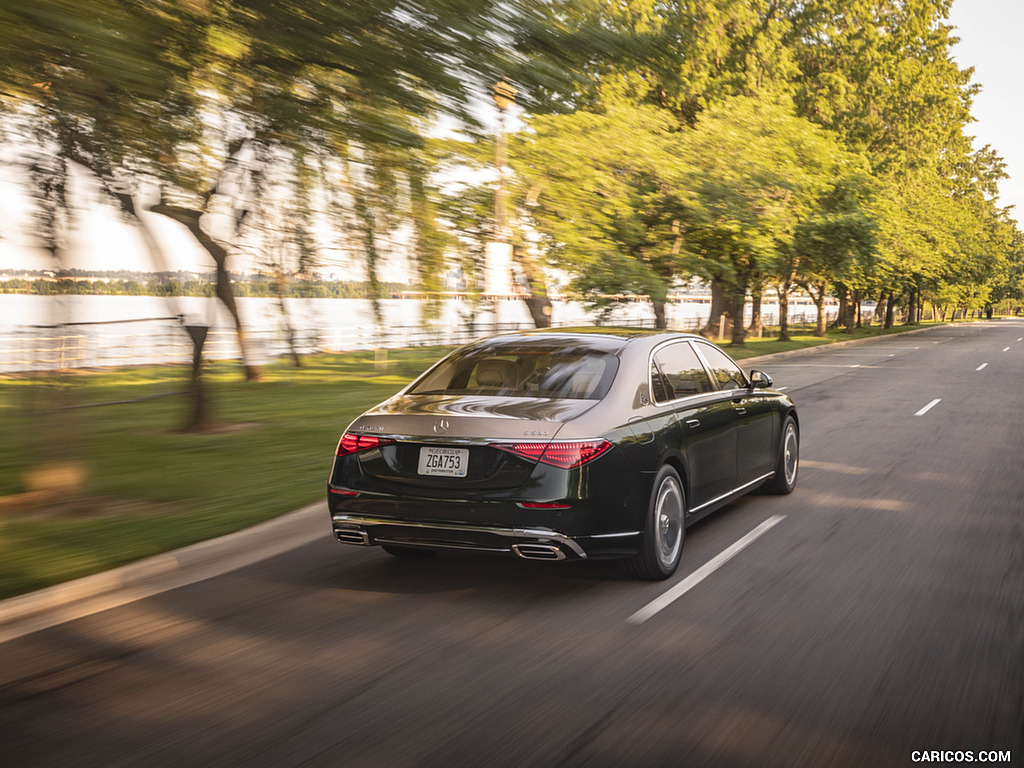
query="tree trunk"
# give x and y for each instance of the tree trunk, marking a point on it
(537, 302)
(191, 219)
(890, 304)
(856, 308)
(784, 288)
(879, 313)
(368, 221)
(737, 305)
(912, 311)
(755, 327)
(660, 320)
(843, 317)
(719, 301)
(851, 313)
(280, 289)
(200, 414)
(819, 303)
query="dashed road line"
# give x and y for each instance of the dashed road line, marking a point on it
(695, 578)
(928, 407)
(1006, 349)
(981, 366)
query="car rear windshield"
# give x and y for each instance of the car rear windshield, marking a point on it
(521, 371)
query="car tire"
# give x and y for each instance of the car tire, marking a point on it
(665, 529)
(408, 553)
(788, 463)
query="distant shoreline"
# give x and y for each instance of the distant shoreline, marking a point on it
(156, 286)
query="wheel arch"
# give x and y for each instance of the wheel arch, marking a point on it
(679, 465)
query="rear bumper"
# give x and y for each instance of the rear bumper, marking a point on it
(529, 543)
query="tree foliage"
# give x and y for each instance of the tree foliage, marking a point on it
(742, 142)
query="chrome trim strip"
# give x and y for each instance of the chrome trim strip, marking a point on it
(543, 534)
(430, 439)
(613, 535)
(433, 545)
(730, 493)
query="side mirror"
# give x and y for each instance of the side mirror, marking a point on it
(760, 380)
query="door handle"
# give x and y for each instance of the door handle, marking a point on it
(740, 410)
(693, 423)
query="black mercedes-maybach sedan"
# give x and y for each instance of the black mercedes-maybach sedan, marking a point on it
(563, 444)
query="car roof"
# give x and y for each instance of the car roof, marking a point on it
(599, 338)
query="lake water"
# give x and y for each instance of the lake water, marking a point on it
(84, 331)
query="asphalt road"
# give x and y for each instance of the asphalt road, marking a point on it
(878, 611)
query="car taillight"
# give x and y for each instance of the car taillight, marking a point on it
(564, 455)
(354, 443)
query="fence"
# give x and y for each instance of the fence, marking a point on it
(162, 341)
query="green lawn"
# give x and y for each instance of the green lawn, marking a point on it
(147, 487)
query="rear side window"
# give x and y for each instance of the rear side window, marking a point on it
(521, 371)
(676, 372)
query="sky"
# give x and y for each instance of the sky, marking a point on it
(989, 32)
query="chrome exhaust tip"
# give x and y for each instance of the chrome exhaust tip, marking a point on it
(538, 551)
(352, 536)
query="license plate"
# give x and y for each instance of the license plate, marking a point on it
(446, 462)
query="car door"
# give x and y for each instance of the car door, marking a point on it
(706, 418)
(755, 416)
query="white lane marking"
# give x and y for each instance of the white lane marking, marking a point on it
(1020, 339)
(981, 366)
(928, 407)
(695, 578)
(1006, 349)
(782, 389)
(830, 467)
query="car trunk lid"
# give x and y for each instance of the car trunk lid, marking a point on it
(446, 441)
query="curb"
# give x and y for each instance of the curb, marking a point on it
(75, 599)
(837, 344)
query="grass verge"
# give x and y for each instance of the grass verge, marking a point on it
(143, 487)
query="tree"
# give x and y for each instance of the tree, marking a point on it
(778, 198)
(195, 97)
(836, 240)
(605, 209)
(881, 75)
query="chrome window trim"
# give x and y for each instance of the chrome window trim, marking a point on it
(697, 343)
(712, 396)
